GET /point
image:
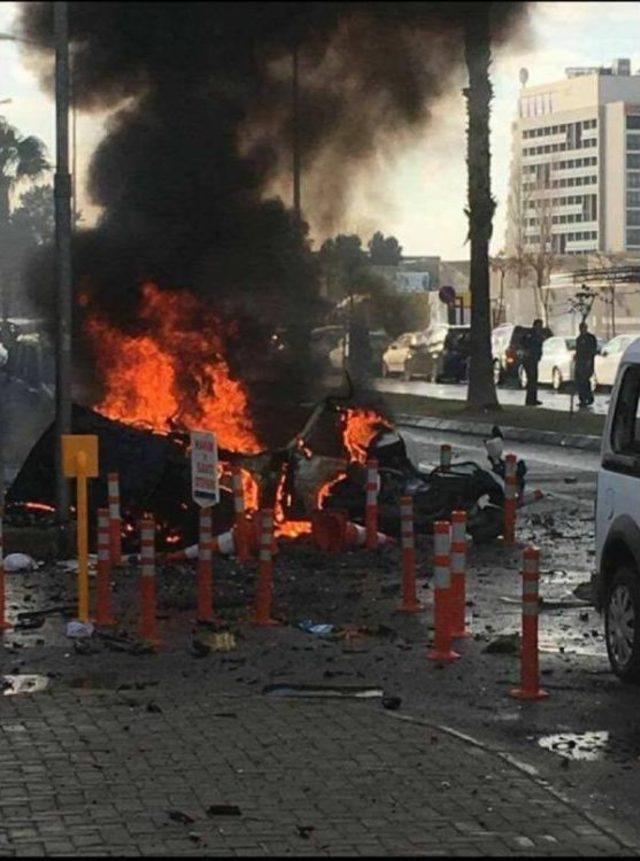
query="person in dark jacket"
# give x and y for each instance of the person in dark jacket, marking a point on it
(586, 350)
(533, 353)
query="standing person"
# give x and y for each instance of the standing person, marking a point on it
(586, 349)
(533, 353)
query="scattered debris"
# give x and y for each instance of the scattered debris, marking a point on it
(305, 831)
(346, 691)
(223, 810)
(318, 630)
(182, 818)
(76, 629)
(16, 562)
(504, 644)
(587, 746)
(391, 703)
(154, 708)
(23, 684)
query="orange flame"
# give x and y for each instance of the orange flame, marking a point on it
(175, 374)
(360, 426)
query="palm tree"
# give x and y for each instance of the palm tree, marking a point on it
(20, 158)
(477, 47)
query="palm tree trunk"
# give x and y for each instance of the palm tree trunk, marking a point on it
(482, 392)
(5, 214)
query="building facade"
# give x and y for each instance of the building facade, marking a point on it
(575, 171)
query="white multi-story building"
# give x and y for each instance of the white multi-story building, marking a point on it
(575, 177)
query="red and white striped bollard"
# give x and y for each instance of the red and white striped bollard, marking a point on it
(409, 600)
(371, 509)
(529, 671)
(510, 500)
(4, 625)
(458, 574)
(148, 629)
(442, 650)
(115, 538)
(264, 590)
(205, 567)
(240, 521)
(103, 586)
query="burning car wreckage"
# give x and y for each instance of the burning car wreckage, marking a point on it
(320, 473)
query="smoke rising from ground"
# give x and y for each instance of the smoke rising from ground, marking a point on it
(207, 127)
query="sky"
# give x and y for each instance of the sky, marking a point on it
(419, 195)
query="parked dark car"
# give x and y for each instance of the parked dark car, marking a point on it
(441, 354)
(508, 344)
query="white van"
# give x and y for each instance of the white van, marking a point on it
(616, 585)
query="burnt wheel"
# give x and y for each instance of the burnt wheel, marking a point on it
(622, 624)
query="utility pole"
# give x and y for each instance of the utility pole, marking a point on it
(296, 134)
(62, 195)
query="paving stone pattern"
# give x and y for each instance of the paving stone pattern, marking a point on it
(91, 772)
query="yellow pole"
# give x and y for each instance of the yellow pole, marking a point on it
(83, 542)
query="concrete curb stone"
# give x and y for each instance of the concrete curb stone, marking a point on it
(585, 442)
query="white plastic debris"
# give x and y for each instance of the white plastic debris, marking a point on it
(19, 562)
(77, 629)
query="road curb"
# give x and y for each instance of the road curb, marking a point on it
(585, 442)
(606, 827)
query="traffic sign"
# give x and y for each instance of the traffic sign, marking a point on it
(447, 295)
(205, 489)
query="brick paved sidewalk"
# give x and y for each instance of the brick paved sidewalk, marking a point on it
(90, 772)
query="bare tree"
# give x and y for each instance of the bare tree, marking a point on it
(608, 263)
(540, 255)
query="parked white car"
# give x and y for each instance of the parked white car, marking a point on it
(556, 366)
(395, 356)
(606, 363)
(616, 584)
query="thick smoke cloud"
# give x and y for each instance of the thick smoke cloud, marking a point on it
(203, 126)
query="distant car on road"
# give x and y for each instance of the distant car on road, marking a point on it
(324, 339)
(441, 354)
(616, 584)
(395, 356)
(606, 363)
(557, 365)
(379, 341)
(508, 345)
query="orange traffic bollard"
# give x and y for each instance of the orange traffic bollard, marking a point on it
(103, 588)
(240, 519)
(442, 650)
(115, 537)
(510, 500)
(264, 590)
(445, 457)
(4, 625)
(205, 568)
(148, 627)
(371, 510)
(529, 672)
(409, 601)
(458, 574)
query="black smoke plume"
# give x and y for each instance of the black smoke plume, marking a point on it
(202, 127)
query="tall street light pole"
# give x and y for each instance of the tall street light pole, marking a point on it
(62, 196)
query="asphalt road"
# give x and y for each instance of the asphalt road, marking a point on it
(550, 400)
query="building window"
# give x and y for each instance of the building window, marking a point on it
(633, 217)
(633, 237)
(633, 142)
(633, 160)
(633, 121)
(633, 180)
(633, 198)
